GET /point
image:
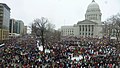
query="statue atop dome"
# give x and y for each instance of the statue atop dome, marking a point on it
(93, 0)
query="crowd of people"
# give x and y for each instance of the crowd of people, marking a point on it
(23, 52)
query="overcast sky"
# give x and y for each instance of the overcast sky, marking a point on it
(59, 12)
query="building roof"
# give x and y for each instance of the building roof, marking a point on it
(93, 6)
(67, 27)
(86, 22)
(5, 6)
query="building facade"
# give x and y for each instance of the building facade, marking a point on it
(90, 27)
(67, 30)
(4, 21)
(19, 27)
(16, 27)
(12, 26)
(25, 29)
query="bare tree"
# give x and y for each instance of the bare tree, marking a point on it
(46, 31)
(50, 27)
(52, 35)
(113, 24)
(38, 28)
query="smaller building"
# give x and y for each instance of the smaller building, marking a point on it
(67, 30)
(12, 26)
(25, 29)
(19, 27)
(16, 27)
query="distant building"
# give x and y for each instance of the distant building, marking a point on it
(68, 31)
(90, 27)
(16, 27)
(12, 26)
(4, 21)
(25, 29)
(19, 27)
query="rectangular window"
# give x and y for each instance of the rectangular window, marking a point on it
(1, 14)
(1, 11)
(89, 33)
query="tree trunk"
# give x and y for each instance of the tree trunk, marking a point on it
(117, 35)
(42, 39)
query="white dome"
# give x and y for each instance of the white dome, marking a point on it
(93, 6)
(93, 12)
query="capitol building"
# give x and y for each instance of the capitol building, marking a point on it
(90, 27)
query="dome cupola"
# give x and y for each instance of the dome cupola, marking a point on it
(93, 6)
(93, 12)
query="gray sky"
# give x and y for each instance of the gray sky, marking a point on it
(59, 12)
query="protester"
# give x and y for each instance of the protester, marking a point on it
(91, 52)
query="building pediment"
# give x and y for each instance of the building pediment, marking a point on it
(86, 22)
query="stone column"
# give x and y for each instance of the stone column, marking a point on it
(84, 30)
(81, 30)
(90, 30)
(87, 30)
